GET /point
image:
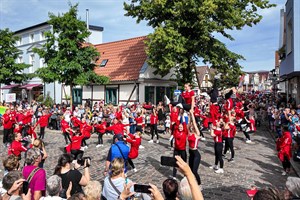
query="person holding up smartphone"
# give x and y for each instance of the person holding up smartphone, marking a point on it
(193, 140)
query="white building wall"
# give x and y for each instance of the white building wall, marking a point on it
(86, 92)
(125, 91)
(98, 92)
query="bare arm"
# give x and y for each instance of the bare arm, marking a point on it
(194, 123)
(37, 195)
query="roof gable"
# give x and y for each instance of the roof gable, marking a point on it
(125, 59)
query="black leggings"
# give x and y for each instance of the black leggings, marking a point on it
(218, 154)
(67, 137)
(42, 133)
(229, 145)
(131, 163)
(247, 134)
(182, 154)
(186, 107)
(100, 138)
(7, 135)
(83, 143)
(286, 163)
(154, 130)
(78, 154)
(194, 162)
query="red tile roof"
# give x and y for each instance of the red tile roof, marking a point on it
(125, 59)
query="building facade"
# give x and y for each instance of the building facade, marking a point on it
(290, 48)
(132, 80)
(30, 38)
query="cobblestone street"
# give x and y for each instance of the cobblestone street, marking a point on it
(255, 164)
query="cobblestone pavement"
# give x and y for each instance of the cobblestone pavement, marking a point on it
(255, 164)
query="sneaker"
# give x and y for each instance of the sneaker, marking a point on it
(284, 174)
(174, 178)
(219, 171)
(167, 100)
(214, 167)
(99, 145)
(179, 106)
(231, 160)
(141, 147)
(203, 139)
(135, 170)
(224, 156)
(157, 141)
(248, 141)
(151, 141)
(86, 147)
(82, 148)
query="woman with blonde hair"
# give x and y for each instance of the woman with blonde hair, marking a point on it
(39, 144)
(93, 190)
(114, 183)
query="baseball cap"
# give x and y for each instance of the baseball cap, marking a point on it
(118, 136)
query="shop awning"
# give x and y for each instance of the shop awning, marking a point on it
(30, 86)
(7, 87)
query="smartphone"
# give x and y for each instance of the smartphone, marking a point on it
(25, 187)
(142, 188)
(168, 161)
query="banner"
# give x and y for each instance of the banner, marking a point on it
(2, 110)
(10, 97)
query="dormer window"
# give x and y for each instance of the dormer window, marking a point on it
(103, 63)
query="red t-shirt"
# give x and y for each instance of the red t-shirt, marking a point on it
(153, 119)
(76, 142)
(187, 95)
(64, 125)
(218, 137)
(7, 124)
(230, 133)
(100, 128)
(139, 120)
(193, 141)
(43, 121)
(135, 144)
(180, 138)
(16, 148)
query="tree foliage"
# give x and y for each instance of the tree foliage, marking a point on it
(69, 59)
(184, 32)
(10, 71)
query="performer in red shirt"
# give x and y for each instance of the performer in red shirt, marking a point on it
(174, 120)
(75, 122)
(186, 99)
(117, 127)
(195, 157)
(75, 146)
(135, 141)
(100, 129)
(284, 147)
(16, 146)
(153, 126)
(180, 136)
(250, 129)
(216, 133)
(229, 134)
(7, 125)
(86, 131)
(43, 122)
(66, 130)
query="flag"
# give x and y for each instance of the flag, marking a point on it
(2, 110)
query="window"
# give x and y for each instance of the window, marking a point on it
(149, 94)
(160, 93)
(289, 37)
(103, 63)
(42, 35)
(20, 59)
(31, 62)
(111, 96)
(31, 37)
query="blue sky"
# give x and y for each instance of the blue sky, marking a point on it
(257, 44)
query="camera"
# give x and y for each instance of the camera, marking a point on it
(82, 160)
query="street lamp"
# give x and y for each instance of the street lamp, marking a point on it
(273, 77)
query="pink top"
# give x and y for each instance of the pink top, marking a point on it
(38, 182)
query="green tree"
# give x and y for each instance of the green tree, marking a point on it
(9, 53)
(69, 59)
(185, 32)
